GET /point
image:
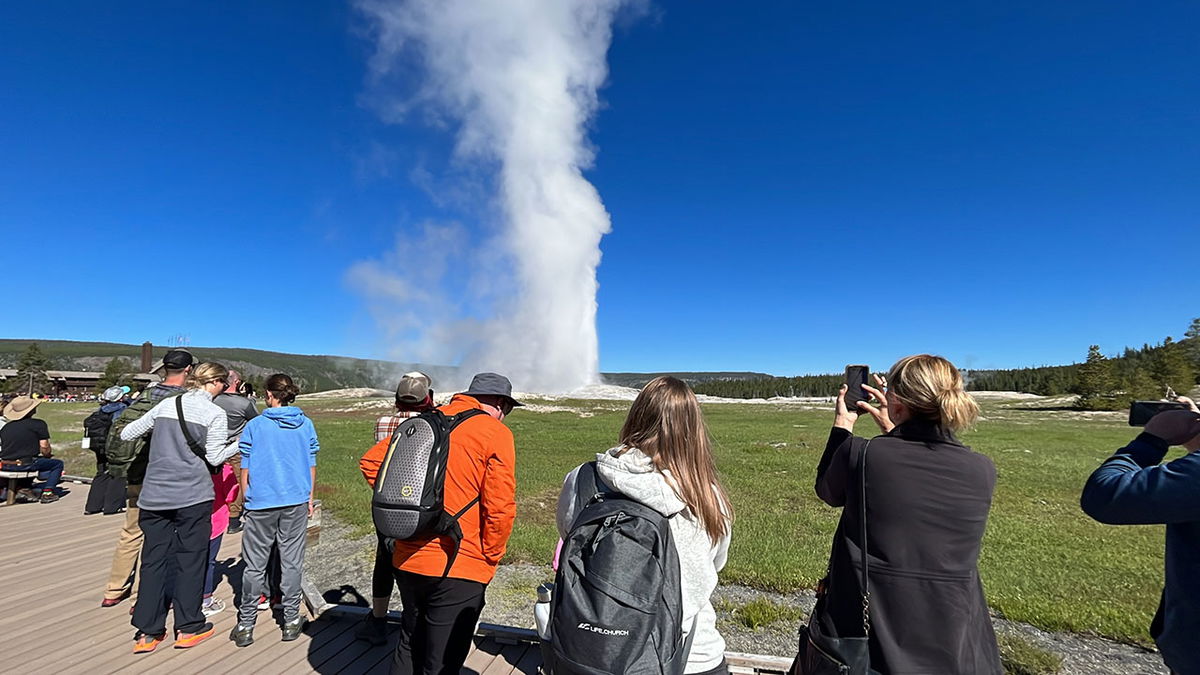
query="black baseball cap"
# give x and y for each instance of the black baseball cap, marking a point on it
(176, 359)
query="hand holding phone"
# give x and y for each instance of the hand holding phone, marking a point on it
(856, 377)
(1140, 412)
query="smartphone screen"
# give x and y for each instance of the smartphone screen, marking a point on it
(856, 377)
(1140, 412)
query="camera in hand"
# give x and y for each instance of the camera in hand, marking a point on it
(856, 377)
(1140, 412)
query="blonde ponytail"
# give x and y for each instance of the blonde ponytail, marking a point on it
(932, 388)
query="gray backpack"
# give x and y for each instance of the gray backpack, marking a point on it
(408, 502)
(617, 605)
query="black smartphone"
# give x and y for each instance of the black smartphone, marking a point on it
(1140, 412)
(856, 377)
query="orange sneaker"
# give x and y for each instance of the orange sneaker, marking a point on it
(186, 640)
(144, 644)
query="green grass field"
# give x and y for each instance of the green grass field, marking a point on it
(1044, 562)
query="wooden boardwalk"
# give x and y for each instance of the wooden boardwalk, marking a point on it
(54, 562)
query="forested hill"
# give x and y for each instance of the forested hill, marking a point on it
(1101, 381)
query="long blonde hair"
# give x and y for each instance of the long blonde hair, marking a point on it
(205, 373)
(932, 388)
(666, 424)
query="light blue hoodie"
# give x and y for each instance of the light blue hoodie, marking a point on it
(279, 448)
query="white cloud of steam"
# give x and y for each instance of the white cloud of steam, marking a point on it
(518, 81)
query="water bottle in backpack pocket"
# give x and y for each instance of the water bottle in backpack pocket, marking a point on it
(408, 502)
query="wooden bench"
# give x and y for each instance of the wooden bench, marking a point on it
(13, 477)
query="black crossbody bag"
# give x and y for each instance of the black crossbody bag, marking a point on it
(192, 442)
(821, 654)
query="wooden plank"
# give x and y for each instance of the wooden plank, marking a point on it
(528, 665)
(483, 652)
(506, 661)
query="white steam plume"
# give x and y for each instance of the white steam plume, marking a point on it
(519, 80)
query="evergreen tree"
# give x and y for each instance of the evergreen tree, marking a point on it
(1096, 384)
(1172, 368)
(116, 372)
(31, 372)
(1193, 342)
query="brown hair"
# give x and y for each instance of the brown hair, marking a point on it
(205, 373)
(282, 388)
(932, 388)
(666, 424)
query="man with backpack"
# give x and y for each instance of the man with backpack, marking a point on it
(442, 575)
(127, 461)
(107, 493)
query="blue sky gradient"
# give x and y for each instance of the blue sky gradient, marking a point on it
(793, 186)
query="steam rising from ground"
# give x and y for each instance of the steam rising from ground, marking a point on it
(518, 79)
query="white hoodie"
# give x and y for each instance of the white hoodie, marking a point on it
(633, 474)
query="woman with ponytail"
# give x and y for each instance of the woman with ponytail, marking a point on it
(927, 503)
(279, 468)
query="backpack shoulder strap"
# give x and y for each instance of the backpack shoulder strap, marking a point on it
(450, 524)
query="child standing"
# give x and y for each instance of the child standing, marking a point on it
(279, 468)
(225, 490)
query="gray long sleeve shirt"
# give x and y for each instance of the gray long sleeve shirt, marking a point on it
(175, 476)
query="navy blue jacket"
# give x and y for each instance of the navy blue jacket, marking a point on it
(1132, 488)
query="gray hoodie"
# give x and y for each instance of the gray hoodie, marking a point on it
(633, 474)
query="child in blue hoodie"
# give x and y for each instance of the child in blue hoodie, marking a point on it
(279, 468)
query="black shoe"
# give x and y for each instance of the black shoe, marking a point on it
(49, 497)
(26, 496)
(242, 636)
(373, 630)
(235, 526)
(291, 630)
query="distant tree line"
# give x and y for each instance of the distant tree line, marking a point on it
(1101, 382)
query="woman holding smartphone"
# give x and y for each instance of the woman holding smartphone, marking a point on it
(927, 503)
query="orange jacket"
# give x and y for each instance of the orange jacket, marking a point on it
(482, 462)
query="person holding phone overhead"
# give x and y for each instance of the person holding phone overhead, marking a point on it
(927, 502)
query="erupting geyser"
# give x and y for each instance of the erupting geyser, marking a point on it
(519, 80)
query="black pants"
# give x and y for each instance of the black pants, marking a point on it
(437, 623)
(174, 558)
(383, 575)
(107, 494)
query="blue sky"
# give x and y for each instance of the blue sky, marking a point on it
(793, 186)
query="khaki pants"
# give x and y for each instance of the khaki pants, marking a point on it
(235, 507)
(129, 549)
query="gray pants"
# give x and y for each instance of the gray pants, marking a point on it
(286, 527)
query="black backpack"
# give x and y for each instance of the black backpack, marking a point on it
(95, 427)
(617, 605)
(408, 502)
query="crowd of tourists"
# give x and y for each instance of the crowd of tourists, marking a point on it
(644, 529)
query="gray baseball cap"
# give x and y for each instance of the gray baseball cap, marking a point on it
(414, 387)
(491, 384)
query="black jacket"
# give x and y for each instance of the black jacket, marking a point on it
(928, 498)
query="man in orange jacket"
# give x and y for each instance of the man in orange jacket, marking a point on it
(439, 613)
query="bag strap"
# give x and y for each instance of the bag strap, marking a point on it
(187, 435)
(862, 531)
(451, 523)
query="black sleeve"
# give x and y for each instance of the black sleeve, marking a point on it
(834, 468)
(42, 431)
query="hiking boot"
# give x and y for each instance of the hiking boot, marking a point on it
(144, 644)
(235, 526)
(242, 636)
(49, 497)
(212, 606)
(188, 640)
(25, 496)
(373, 630)
(291, 629)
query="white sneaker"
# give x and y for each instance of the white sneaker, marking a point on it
(213, 606)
